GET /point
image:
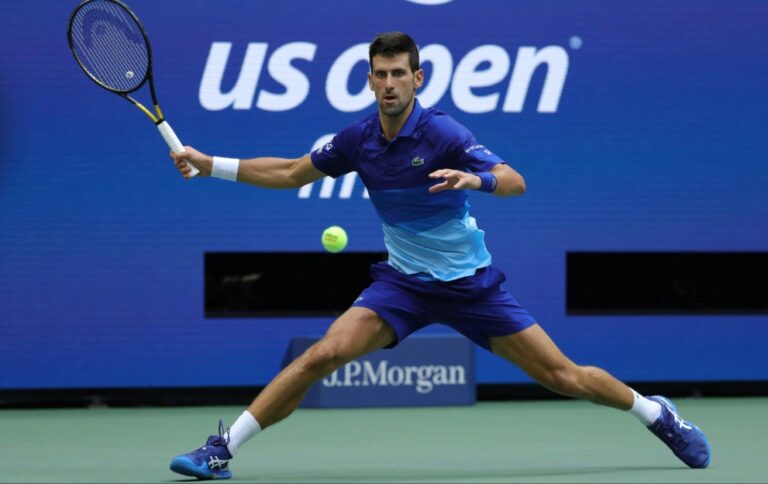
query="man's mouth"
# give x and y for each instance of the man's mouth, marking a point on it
(390, 98)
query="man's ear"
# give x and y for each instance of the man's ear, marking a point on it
(418, 78)
(370, 81)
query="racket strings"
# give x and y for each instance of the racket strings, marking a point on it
(110, 45)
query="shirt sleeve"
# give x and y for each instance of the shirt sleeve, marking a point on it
(473, 156)
(331, 158)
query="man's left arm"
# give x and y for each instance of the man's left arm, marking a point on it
(502, 180)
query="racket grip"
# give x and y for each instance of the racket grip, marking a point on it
(174, 143)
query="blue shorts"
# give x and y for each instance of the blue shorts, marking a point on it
(476, 306)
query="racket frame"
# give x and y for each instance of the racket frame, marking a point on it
(157, 117)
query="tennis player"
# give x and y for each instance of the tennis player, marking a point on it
(419, 166)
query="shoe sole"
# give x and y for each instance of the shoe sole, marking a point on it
(186, 467)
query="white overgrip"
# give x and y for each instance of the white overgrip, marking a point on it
(174, 143)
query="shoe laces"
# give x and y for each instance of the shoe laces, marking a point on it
(224, 434)
(221, 441)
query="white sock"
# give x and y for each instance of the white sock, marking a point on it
(244, 428)
(647, 411)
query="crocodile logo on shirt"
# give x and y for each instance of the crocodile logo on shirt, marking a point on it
(417, 161)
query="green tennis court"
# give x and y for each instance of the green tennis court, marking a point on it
(524, 441)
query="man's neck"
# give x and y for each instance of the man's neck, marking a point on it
(391, 126)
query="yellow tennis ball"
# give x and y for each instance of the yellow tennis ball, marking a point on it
(334, 239)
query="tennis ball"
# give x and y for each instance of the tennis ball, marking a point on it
(334, 239)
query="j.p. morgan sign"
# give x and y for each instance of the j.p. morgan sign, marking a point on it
(421, 371)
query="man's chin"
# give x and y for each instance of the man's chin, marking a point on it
(392, 111)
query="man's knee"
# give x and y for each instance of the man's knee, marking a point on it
(323, 358)
(356, 332)
(566, 380)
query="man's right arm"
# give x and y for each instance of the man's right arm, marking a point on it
(268, 172)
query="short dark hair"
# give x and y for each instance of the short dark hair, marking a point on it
(390, 44)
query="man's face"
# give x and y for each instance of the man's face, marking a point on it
(393, 83)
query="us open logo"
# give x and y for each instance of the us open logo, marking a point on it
(504, 74)
(506, 80)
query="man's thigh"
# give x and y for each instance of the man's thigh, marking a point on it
(532, 350)
(359, 331)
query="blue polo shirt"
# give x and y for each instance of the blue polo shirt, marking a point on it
(428, 234)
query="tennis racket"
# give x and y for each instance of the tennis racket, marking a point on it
(111, 46)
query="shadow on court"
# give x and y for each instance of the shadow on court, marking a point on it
(573, 474)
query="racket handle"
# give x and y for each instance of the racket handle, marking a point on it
(174, 143)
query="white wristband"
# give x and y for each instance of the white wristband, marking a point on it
(225, 168)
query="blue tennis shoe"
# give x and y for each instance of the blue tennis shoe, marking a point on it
(210, 461)
(686, 440)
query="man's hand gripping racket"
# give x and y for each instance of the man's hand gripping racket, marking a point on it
(110, 45)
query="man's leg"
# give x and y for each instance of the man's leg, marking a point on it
(534, 352)
(356, 332)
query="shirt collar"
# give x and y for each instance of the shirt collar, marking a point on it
(410, 125)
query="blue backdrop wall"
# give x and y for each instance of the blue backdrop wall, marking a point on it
(639, 126)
